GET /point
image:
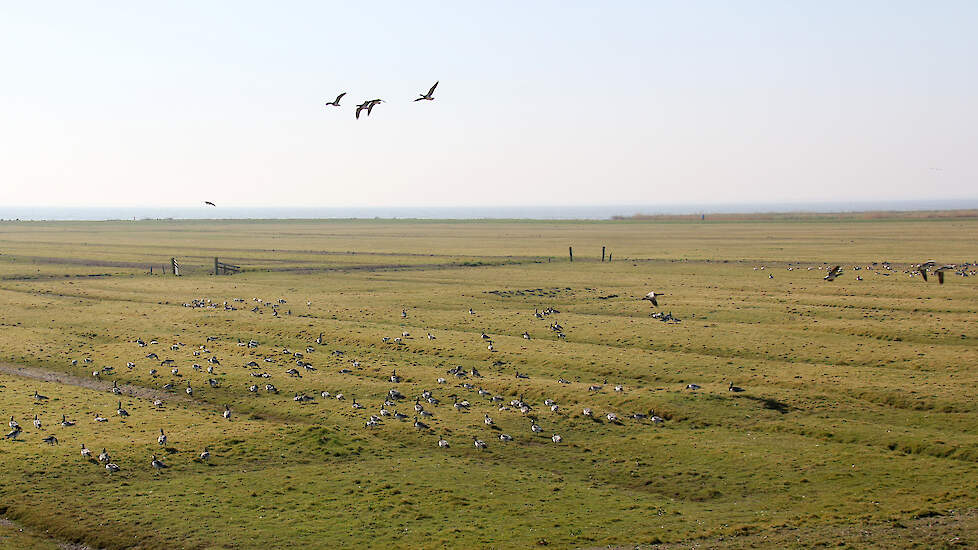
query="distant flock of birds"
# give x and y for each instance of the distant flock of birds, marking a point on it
(369, 104)
(423, 401)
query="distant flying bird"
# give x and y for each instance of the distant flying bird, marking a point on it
(429, 95)
(940, 272)
(335, 102)
(651, 296)
(368, 105)
(833, 273)
(209, 203)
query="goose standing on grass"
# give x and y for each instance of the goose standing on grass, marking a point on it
(556, 438)
(51, 440)
(429, 96)
(86, 454)
(479, 444)
(733, 388)
(13, 423)
(65, 422)
(205, 455)
(103, 457)
(111, 467)
(227, 412)
(190, 391)
(37, 422)
(335, 102)
(443, 443)
(692, 387)
(122, 412)
(157, 464)
(162, 438)
(39, 397)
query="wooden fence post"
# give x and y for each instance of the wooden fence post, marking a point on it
(175, 266)
(609, 257)
(570, 250)
(215, 267)
(602, 253)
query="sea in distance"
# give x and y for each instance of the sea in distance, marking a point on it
(596, 212)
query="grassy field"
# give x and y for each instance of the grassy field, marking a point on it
(857, 423)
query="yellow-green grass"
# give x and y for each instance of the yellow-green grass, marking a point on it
(858, 405)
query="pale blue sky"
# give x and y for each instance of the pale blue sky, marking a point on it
(143, 103)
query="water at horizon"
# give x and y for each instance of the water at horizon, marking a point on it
(599, 212)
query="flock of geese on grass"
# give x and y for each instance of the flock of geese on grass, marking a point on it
(465, 396)
(885, 269)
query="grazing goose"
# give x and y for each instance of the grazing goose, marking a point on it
(612, 417)
(420, 425)
(121, 412)
(37, 422)
(103, 457)
(619, 388)
(100, 418)
(205, 455)
(111, 467)
(557, 439)
(86, 454)
(430, 336)
(12, 434)
(227, 412)
(535, 428)
(335, 102)
(158, 403)
(428, 96)
(51, 440)
(443, 443)
(526, 335)
(657, 419)
(505, 437)
(488, 420)
(651, 297)
(692, 387)
(733, 388)
(479, 444)
(157, 464)
(587, 412)
(162, 438)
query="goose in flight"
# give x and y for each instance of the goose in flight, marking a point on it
(651, 296)
(428, 96)
(335, 102)
(833, 273)
(940, 272)
(368, 105)
(209, 203)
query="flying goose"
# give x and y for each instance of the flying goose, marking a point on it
(209, 203)
(833, 273)
(369, 106)
(428, 96)
(651, 296)
(940, 272)
(335, 102)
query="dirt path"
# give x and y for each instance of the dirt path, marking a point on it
(89, 383)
